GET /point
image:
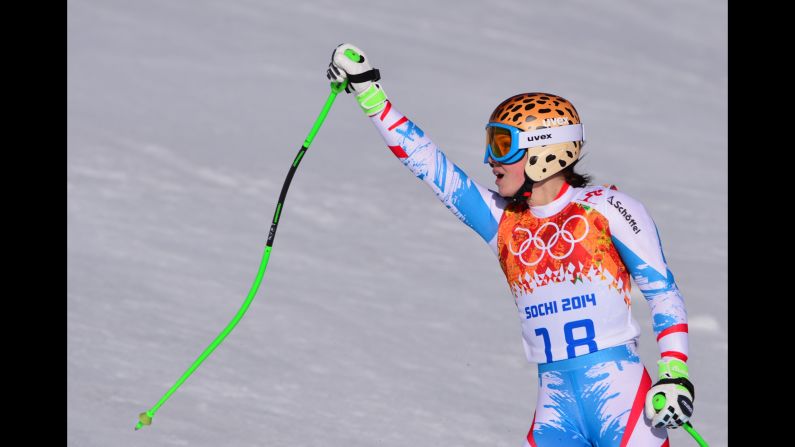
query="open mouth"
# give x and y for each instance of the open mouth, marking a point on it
(500, 175)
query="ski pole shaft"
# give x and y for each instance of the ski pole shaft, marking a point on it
(689, 428)
(658, 403)
(145, 418)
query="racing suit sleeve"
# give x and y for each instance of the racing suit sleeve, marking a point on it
(475, 205)
(637, 240)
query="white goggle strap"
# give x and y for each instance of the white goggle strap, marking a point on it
(552, 135)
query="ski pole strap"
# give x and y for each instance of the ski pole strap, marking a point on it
(680, 381)
(369, 75)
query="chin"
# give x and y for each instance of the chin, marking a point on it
(507, 192)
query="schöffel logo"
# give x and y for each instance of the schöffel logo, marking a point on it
(621, 209)
(539, 137)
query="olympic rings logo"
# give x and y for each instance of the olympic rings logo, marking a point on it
(546, 246)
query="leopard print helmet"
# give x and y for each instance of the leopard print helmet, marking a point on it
(533, 111)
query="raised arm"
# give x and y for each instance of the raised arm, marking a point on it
(475, 205)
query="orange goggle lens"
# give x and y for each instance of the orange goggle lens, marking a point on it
(499, 139)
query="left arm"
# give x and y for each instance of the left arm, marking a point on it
(637, 240)
(635, 236)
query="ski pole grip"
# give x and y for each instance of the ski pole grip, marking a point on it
(658, 401)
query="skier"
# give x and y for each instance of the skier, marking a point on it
(567, 249)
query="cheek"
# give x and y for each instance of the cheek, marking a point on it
(516, 171)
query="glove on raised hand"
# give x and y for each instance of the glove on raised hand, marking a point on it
(349, 62)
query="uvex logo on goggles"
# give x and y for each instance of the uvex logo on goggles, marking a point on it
(540, 137)
(543, 137)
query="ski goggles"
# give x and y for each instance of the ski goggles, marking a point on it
(507, 144)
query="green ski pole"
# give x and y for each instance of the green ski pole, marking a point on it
(658, 402)
(145, 418)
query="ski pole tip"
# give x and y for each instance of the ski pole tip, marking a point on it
(143, 419)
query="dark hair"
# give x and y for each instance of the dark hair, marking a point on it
(575, 179)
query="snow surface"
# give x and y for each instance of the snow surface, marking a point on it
(382, 320)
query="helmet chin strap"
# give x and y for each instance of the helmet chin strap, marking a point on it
(524, 192)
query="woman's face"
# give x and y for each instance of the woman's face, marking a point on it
(509, 177)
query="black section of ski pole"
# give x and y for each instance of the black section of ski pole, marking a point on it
(283, 195)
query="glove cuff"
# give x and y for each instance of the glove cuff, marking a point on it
(372, 100)
(672, 368)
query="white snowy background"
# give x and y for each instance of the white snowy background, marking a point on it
(382, 320)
